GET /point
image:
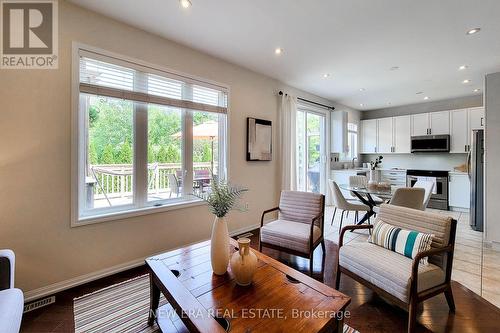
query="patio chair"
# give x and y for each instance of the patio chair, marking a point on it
(173, 185)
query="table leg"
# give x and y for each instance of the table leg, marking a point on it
(367, 201)
(340, 325)
(154, 293)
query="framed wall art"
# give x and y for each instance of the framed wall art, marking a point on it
(259, 140)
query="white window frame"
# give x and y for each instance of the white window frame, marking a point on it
(140, 207)
(320, 111)
(356, 132)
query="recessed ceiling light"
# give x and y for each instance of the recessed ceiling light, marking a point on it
(361, 104)
(466, 81)
(362, 89)
(461, 68)
(278, 51)
(394, 68)
(326, 75)
(185, 3)
(426, 97)
(419, 93)
(473, 31)
(477, 90)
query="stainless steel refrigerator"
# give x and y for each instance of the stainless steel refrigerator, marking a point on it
(476, 176)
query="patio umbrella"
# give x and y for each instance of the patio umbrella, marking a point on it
(208, 130)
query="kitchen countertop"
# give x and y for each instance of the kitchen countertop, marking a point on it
(350, 170)
(457, 173)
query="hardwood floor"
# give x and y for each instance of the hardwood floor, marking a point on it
(367, 312)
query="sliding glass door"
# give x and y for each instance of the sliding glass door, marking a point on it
(311, 151)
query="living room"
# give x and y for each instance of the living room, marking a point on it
(134, 100)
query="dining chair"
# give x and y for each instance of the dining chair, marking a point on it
(428, 187)
(362, 181)
(340, 202)
(410, 197)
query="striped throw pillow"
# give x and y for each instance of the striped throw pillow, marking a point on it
(405, 242)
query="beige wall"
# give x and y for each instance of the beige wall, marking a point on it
(35, 158)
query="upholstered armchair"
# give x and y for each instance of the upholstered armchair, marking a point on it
(402, 280)
(299, 227)
(11, 299)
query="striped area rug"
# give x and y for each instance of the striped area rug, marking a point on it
(121, 308)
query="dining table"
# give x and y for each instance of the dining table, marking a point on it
(365, 195)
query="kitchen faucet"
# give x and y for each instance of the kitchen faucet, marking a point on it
(355, 158)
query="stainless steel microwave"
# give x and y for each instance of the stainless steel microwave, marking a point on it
(430, 143)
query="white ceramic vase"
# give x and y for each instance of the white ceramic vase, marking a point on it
(243, 263)
(219, 247)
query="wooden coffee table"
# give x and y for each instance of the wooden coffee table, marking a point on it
(280, 299)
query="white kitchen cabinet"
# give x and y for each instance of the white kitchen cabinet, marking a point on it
(384, 135)
(369, 136)
(459, 190)
(476, 118)
(401, 134)
(338, 143)
(393, 135)
(435, 123)
(420, 124)
(459, 120)
(439, 123)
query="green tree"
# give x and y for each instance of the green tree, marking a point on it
(113, 126)
(93, 115)
(151, 154)
(173, 154)
(107, 155)
(125, 153)
(92, 153)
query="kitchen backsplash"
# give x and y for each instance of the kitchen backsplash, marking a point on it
(423, 161)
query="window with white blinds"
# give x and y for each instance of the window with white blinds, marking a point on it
(102, 76)
(149, 138)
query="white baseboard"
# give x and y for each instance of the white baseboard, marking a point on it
(244, 229)
(86, 278)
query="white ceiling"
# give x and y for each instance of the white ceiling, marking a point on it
(356, 41)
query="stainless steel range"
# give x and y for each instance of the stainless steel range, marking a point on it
(439, 198)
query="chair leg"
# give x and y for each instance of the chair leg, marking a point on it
(347, 215)
(449, 298)
(356, 216)
(412, 315)
(337, 277)
(260, 245)
(341, 220)
(333, 217)
(311, 265)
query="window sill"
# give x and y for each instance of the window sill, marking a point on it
(165, 207)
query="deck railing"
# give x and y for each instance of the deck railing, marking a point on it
(115, 180)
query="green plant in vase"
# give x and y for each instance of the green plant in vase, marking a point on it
(221, 199)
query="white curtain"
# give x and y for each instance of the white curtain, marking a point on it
(288, 137)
